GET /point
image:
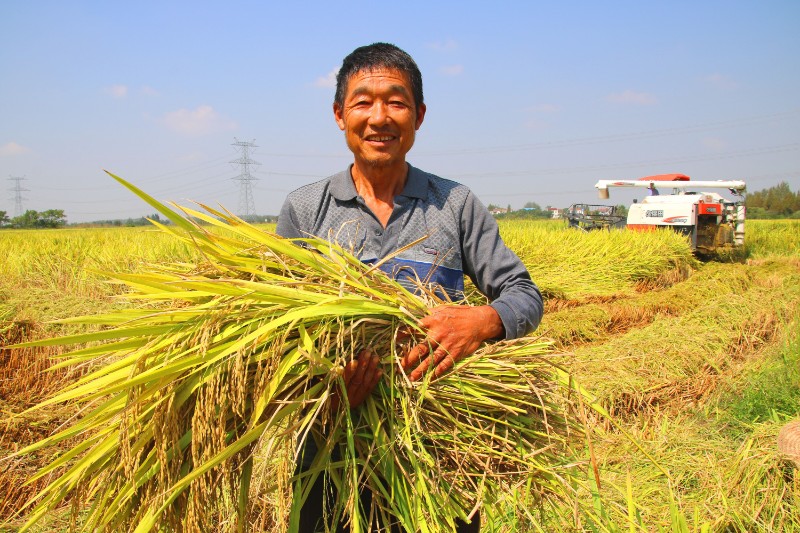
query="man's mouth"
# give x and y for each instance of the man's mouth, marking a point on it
(380, 138)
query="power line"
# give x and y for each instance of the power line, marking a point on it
(245, 179)
(633, 164)
(650, 134)
(18, 190)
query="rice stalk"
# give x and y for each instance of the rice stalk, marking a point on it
(244, 351)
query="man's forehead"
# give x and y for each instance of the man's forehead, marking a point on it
(397, 80)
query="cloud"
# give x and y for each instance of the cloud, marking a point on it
(720, 80)
(327, 81)
(200, 121)
(452, 70)
(117, 91)
(148, 91)
(444, 46)
(11, 149)
(632, 97)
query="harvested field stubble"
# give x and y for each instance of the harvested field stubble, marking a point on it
(26, 379)
(724, 311)
(724, 484)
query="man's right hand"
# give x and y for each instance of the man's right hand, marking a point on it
(361, 375)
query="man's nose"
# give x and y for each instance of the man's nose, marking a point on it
(379, 114)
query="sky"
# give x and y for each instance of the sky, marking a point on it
(527, 101)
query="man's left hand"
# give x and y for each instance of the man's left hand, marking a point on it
(453, 332)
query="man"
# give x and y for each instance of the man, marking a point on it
(381, 204)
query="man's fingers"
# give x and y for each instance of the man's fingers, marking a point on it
(430, 362)
(441, 362)
(414, 356)
(357, 396)
(444, 366)
(350, 370)
(361, 375)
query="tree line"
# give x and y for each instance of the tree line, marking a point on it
(51, 218)
(775, 202)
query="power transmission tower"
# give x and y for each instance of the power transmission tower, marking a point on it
(246, 204)
(17, 190)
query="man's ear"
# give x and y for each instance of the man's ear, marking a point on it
(420, 115)
(337, 114)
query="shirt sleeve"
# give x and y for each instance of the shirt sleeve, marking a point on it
(288, 226)
(498, 272)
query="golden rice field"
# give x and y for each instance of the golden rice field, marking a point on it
(696, 366)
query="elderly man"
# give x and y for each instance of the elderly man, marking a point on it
(382, 204)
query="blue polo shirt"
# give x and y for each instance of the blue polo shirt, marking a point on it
(438, 232)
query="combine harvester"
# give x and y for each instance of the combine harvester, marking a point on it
(711, 222)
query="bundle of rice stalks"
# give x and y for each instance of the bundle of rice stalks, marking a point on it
(244, 352)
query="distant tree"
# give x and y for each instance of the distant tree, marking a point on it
(775, 202)
(3, 218)
(28, 219)
(52, 218)
(532, 205)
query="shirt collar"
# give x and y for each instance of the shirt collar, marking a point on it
(343, 188)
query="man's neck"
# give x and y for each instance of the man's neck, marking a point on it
(379, 183)
(378, 187)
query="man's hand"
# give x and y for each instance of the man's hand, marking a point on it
(360, 377)
(453, 332)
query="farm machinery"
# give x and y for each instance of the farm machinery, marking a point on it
(711, 221)
(590, 217)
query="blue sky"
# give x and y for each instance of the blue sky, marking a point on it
(527, 101)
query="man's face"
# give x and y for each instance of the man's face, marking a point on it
(379, 117)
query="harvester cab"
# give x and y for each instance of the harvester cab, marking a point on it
(711, 221)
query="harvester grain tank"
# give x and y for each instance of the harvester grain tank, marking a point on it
(711, 221)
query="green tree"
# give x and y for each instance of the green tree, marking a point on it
(3, 218)
(775, 202)
(532, 205)
(28, 219)
(51, 218)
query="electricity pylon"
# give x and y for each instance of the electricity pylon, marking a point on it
(245, 179)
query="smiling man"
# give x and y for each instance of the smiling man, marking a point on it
(382, 204)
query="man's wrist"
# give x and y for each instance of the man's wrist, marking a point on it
(492, 325)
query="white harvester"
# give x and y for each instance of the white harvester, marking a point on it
(711, 221)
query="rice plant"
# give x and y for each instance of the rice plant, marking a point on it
(571, 264)
(242, 351)
(764, 238)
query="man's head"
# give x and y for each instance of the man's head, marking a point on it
(379, 105)
(378, 56)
